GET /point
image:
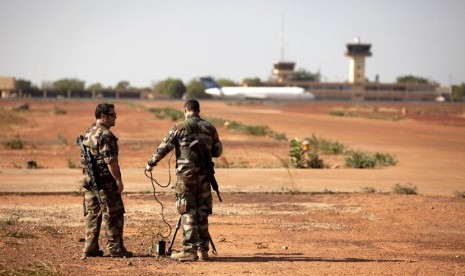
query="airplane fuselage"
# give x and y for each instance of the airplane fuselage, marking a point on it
(262, 93)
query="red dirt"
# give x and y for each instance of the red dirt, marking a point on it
(271, 220)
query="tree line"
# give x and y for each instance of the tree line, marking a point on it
(176, 88)
(170, 87)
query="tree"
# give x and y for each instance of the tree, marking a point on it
(174, 88)
(458, 92)
(195, 89)
(96, 87)
(412, 79)
(122, 86)
(304, 75)
(23, 85)
(252, 82)
(69, 84)
(226, 82)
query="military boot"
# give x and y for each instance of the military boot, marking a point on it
(184, 256)
(123, 253)
(203, 256)
(97, 253)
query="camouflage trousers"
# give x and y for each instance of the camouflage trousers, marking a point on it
(111, 212)
(194, 204)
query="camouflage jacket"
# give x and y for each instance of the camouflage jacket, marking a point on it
(189, 162)
(103, 145)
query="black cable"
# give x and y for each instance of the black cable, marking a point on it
(153, 181)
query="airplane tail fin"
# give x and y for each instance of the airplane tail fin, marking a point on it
(211, 86)
(209, 82)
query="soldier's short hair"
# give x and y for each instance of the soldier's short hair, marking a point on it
(103, 108)
(192, 105)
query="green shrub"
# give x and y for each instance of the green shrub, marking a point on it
(387, 117)
(368, 190)
(337, 113)
(290, 191)
(167, 113)
(31, 164)
(297, 154)
(39, 268)
(304, 154)
(16, 143)
(408, 189)
(257, 130)
(325, 146)
(240, 165)
(247, 129)
(218, 122)
(342, 113)
(385, 159)
(10, 219)
(314, 161)
(328, 192)
(278, 136)
(300, 158)
(459, 194)
(71, 164)
(361, 160)
(19, 235)
(58, 111)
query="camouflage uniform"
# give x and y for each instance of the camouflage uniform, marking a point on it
(193, 191)
(103, 147)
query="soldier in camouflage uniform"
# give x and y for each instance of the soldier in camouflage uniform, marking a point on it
(193, 191)
(102, 145)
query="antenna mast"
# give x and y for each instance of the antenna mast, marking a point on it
(282, 36)
(283, 70)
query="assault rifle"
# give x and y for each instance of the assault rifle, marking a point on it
(89, 165)
(211, 177)
(210, 167)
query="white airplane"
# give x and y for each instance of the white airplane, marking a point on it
(257, 93)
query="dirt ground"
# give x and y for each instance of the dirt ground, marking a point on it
(273, 220)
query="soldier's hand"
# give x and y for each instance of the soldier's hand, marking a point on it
(120, 187)
(148, 168)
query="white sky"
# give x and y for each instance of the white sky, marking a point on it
(145, 41)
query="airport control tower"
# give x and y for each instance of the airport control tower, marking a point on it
(283, 70)
(357, 53)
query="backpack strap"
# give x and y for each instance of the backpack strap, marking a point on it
(189, 126)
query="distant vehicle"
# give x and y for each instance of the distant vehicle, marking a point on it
(257, 93)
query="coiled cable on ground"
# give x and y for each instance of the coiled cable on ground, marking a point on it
(155, 183)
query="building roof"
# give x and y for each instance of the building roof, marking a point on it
(7, 83)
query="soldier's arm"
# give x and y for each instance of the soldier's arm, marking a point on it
(108, 149)
(217, 146)
(165, 146)
(113, 167)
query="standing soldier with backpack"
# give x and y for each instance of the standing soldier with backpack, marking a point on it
(195, 142)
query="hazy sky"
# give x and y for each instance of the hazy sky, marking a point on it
(146, 41)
